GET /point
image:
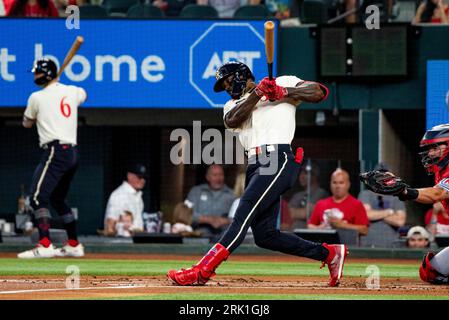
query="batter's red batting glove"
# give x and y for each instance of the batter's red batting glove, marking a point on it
(277, 94)
(265, 87)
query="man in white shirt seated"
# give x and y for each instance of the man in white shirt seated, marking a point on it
(127, 197)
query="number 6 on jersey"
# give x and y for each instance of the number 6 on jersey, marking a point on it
(65, 108)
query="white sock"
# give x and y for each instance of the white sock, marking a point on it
(440, 262)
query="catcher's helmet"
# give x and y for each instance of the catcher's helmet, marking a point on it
(241, 74)
(431, 139)
(47, 67)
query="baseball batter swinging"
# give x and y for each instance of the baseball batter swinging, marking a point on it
(264, 117)
(435, 159)
(54, 110)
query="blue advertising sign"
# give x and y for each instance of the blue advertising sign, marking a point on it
(131, 63)
(437, 106)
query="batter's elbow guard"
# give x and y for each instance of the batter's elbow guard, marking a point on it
(325, 91)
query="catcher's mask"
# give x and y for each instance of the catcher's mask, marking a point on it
(241, 73)
(432, 139)
(48, 68)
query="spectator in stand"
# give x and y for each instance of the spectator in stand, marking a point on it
(343, 7)
(418, 238)
(286, 223)
(281, 9)
(182, 219)
(127, 197)
(211, 203)
(172, 8)
(298, 203)
(386, 214)
(33, 8)
(124, 227)
(432, 11)
(341, 210)
(437, 220)
(7, 6)
(239, 187)
(63, 4)
(2, 9)
(351, 5)
(227, 8)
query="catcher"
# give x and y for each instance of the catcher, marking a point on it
(435, 158)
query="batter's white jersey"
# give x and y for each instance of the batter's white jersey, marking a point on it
(271, 122)
(55, 109)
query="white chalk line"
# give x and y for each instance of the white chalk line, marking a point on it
(163, 287)
(70, 289)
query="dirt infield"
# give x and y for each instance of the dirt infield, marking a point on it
(54, 287)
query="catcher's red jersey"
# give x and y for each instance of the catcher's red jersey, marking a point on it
(442, 181)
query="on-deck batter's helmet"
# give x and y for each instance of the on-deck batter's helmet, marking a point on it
(432, 138)
(241, 74)
(47, 67)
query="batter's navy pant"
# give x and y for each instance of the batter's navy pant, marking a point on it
(52, 178)
(260, 203)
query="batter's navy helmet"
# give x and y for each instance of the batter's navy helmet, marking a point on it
(47, 67)
(241, 74)
(432, 138)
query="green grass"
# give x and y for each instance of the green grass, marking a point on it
(245, 269)
(158, 267)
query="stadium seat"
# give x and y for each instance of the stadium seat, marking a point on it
(93, 11)
(314, 11)
(198, 11)
(144, 11)
(249, 11)
(380, 235)
(405, 11)
(118, 6)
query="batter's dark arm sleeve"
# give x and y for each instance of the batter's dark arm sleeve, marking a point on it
(237, 116)
(308, 91)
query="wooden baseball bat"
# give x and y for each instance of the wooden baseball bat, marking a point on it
(269, 46)
(75, 46)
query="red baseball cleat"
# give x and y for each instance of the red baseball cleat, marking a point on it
(189, 277)
(335, 262)
(200, 273)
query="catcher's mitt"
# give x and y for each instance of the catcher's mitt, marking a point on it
(383, 182)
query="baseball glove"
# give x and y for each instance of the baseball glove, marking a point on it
(383, 182)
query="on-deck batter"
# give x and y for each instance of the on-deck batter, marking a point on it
(54, 109)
